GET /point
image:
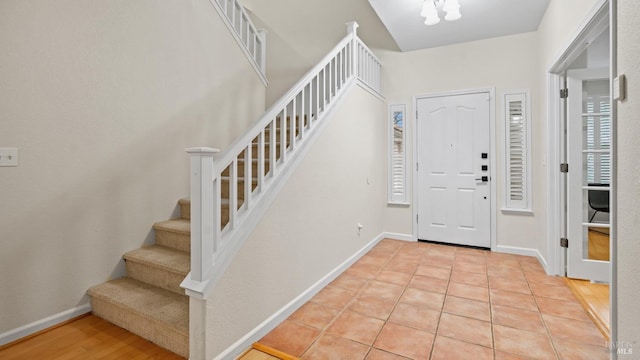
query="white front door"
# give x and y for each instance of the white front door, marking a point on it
(454, 192)
(589, 176)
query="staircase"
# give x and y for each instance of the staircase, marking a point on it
(148, 301)
(229, 194)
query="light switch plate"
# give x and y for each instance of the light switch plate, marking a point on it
(8, 156)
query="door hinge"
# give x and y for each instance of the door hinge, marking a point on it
(416, 114)
(416, 218)
(564, 93)
(564, 168)
(564, 242)
(417, 167)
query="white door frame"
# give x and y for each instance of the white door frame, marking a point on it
(492, 156)
(555, 255)
(595, 19)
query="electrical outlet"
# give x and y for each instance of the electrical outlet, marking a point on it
(8, 156)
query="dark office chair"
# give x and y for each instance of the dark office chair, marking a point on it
(598, 200)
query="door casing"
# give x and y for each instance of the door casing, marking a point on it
(492, 155)
(594, 23)
(603, 14)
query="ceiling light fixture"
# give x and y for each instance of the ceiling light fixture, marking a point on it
(430, 11)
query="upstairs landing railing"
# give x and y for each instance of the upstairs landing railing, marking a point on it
(252, 41)
(230, 194)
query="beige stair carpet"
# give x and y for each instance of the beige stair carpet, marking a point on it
(158, 315)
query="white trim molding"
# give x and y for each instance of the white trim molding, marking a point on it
(401, 237)
(516, 134)
(42, 324)
(522, 251)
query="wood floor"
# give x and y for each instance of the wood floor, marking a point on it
(254, 354)
(595, 300)
(87, 337)
(598, 244)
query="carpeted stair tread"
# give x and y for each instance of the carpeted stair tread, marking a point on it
(161, 257)
(185, 201)
(159, 305)
(181, 226)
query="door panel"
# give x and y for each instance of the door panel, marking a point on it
(454, 204)
(588, 180)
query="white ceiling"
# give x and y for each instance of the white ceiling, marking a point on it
(481, 19)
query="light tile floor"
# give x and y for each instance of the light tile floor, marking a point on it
(426, 301)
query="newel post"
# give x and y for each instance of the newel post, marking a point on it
(352, 27)
(204, 211)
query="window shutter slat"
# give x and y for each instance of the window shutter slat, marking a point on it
(516, 151)
(397, 168)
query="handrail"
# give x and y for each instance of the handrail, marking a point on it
(277, 107)
(252, 41)
(229, 192)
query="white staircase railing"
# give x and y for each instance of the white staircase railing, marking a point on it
(228, 193)
(252, 41)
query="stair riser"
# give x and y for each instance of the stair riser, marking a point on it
(174, 240)
(154, 331)
(161, 278)
(185, 211)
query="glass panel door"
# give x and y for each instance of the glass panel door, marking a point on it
(589, 155)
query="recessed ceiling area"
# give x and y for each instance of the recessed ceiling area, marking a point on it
(481, 19)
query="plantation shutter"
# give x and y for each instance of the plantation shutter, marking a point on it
(397, 164)
(517, 152)
(598, 138)
(397, 137)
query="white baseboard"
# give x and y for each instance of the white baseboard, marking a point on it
(274, 320)
(34, 327)
(522, 251)
(396, 236)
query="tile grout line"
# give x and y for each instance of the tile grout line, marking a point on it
(395, 305)
(493, 337)
(356, 296)
(544, 323)
(388, 256)
(444, 300)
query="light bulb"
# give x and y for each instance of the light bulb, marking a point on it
(432, 20)
(452, 8)
(428, 8)
(451, 5)
(453, 15)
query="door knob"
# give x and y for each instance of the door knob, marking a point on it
(483, 179)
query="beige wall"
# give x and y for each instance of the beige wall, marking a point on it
(102, 98)
(311, 228)
(506, 63)
(628, 173)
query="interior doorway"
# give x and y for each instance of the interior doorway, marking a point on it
(581, 166)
